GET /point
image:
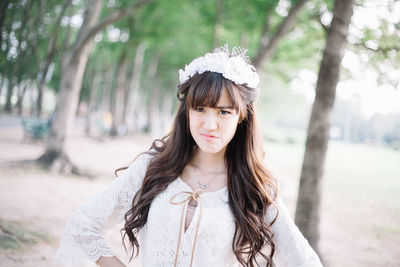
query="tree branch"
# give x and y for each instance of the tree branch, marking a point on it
(266, 51)
(317, 17)
(383, 50)
(264, 39)
(113, 17)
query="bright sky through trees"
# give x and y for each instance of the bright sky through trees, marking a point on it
(373, 96)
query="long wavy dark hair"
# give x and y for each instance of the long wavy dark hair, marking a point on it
(250, 186)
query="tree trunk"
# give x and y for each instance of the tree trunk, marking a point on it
(166, 114)
(307, 211)
(153, 89)
(104, 118)
(71, 81)
(218, 22)
(268, 46)
(66, 41)
(68, 97)
(51, 49)
(10, 91)
(8, 29)
(8, 67)
(92, 103)
(21, 94)
(15, 66)
(125, 105)
(3, 79)
(117, 106)
(3, 12)
(134, 86)
(153, 110)
(107, 88)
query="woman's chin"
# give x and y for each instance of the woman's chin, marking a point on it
(210, 149)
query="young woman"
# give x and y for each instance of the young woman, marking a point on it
(200, 196)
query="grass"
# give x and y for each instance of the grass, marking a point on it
(14, 236)
(366, 175)
(361, 190)
(363, 174)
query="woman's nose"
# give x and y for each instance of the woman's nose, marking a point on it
(210, 121)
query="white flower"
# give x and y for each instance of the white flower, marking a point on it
(232, 66)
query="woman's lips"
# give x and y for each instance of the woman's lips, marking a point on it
(208, 136)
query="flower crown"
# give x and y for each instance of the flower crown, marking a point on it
(234, 66)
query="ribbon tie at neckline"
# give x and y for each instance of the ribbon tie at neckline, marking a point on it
(195, 196)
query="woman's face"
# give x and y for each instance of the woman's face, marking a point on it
(213, 128)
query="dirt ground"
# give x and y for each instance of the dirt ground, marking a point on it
(41, 201)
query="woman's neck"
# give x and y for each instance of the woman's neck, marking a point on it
(209, 162)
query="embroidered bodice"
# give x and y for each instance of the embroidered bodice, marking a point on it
(211, 227)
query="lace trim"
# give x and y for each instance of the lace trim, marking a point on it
(83, 237)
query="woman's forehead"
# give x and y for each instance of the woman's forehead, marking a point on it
(213, 90)
(224, 99)
(215, 100)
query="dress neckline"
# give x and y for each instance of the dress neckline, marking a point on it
(216, 192)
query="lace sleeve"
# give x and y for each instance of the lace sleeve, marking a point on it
(292, 249)
(82, 240)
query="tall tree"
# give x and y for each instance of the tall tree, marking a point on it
(71, 81)
(153, 93)
(51, 50)
(3, 13)
(132, 93)
(94, 88)
(23, 38)
(16, 65)
(218, 22)
(117, 105)
(267, 45)
(308, 204)
(70, 85)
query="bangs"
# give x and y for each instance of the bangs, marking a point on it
(207, 88)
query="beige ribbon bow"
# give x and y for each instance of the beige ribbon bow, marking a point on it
(195, 196)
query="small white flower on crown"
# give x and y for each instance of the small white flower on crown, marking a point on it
(234, 66)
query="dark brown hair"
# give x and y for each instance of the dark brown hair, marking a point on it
(251, 187)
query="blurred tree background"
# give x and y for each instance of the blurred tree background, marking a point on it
(113, 64)
(132, 71)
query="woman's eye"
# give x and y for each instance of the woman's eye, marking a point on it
(224, 112)
(199, 109)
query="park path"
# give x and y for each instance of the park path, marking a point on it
(42, 201)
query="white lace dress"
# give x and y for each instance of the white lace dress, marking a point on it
(83, 237)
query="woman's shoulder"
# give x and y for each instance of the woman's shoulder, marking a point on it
(144, 157)
(137, 167)
(142, 160)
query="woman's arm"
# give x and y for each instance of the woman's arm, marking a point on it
(109, 262)
(292, 249)
(83, 237)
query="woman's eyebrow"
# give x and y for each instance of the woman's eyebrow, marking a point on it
(224, 107)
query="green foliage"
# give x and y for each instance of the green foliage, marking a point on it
(14, 236)
(177, 31)
(279, 106)
(180, 30)
(378, 43)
